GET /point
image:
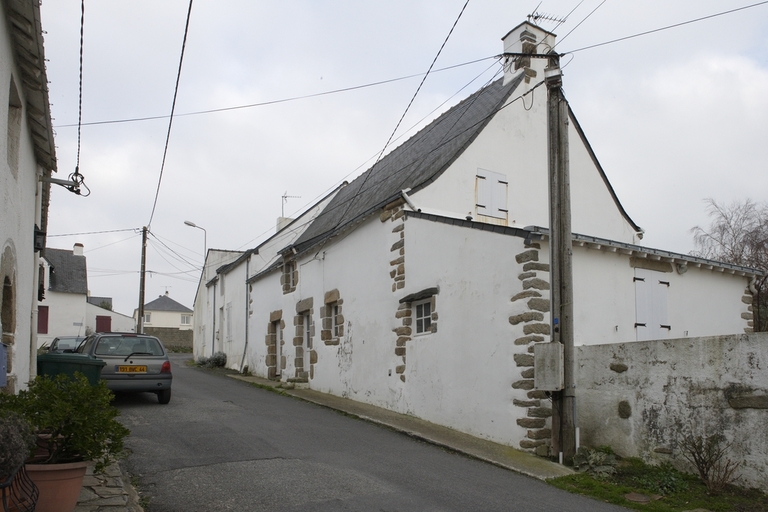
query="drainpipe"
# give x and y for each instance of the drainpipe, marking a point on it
(247, 310)
(404, 193)
(213, 330)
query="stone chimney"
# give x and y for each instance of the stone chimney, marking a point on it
(77, 250)
(531, 39)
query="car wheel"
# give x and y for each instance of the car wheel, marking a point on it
(164, 396)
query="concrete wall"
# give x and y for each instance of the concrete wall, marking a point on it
(641, 398)
(171, 338)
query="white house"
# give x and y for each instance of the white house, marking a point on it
(64, 289)
(65, 307)
(27, 154)
(166, 313)
(423, 285)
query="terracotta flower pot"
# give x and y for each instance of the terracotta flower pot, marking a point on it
(59, 485)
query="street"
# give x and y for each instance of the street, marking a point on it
(224, 445)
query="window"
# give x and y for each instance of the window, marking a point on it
(290, 276)
(491, 194)
(14, 128)
(186, 319)
(423, 316)
(336, 320)
(147, 318)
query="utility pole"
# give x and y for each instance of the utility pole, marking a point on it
(140, 325)
(561, 270)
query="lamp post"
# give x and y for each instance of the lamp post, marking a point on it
(205, 236)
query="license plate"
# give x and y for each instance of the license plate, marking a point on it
(131, 369)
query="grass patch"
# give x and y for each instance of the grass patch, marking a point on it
(670, 490)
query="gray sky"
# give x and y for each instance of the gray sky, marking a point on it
(674, 117)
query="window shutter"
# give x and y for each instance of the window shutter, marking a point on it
(491, 194)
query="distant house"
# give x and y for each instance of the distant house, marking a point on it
(168, 320)
(27, 157)
(63, 292)
(64, 307)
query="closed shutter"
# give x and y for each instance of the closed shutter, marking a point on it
(42, 319)
(103, 323)
(491, 194)
(651, 312)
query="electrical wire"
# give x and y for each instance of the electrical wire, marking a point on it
(368, 175)
(668, 27)
(170, 120)
(328, 190)
(95, 232)
(579, 23)
(275, 102)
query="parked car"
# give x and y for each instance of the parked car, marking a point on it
(134, 362)
(62, 344)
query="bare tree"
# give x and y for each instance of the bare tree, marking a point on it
(738, 234)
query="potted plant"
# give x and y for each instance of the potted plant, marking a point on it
(16, 443)
(75, 423)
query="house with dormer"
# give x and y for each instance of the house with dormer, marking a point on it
(423, 285)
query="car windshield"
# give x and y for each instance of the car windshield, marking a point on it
(127, 345)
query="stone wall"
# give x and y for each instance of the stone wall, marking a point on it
(172, 338)
(642, 398)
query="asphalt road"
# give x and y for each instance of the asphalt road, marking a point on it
(224, 445)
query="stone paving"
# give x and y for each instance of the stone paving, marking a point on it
(108, 492)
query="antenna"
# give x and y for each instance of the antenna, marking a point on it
(537, 16)
(286, 197)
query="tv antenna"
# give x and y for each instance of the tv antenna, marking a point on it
(286, 197)
(537, 16)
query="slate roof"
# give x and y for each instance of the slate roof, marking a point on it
(69, 273)
(98, 301)
(165, 303)
(414, 164)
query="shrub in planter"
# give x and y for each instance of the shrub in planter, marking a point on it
(74, 421)
(16, 442)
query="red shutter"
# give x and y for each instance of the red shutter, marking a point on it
(103, 323)
(42, 319)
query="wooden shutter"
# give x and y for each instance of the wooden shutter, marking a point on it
(491, 194)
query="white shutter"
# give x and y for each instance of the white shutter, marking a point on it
(651, 315)
(491, 194)
(643, 306)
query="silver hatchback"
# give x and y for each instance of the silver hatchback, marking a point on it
(134, 362)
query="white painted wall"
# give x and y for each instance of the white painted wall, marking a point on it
(700, 302)
(20, 207)
(203, 307)
(514, 143)
(66, 315)
(120, 322)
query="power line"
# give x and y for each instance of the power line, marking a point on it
(275, 102)
(368, 175)
(173, 108)
(96, 232)
(328, 190)
(669, 27)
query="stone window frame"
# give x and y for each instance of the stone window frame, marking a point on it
(290, 276)
(411, 301)
(304, 332)
(332, 318)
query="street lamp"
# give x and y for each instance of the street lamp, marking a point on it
(205, 236)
